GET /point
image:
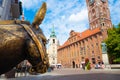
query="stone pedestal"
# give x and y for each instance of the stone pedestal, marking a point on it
(105, 55)
(106, 60)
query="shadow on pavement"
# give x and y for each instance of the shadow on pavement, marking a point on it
(92, 76)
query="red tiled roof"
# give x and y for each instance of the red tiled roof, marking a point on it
(82, 35)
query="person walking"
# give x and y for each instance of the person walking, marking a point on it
(87, 64)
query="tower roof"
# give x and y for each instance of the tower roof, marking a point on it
(53, 32)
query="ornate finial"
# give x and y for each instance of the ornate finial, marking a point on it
(39, 15)
(53, 28)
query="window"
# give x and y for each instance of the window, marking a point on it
(103, 24)
(81, 50)
(53, 47)
(82, 58)
(98, 57)
(53, 40)
(96, 44)
(1, 1)
(74, 38)
(92, 45)
(54, 51)
(93, 60)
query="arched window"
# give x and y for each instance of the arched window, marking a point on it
(53, 40)
(104, 9)
(103, 24)
(93, 14)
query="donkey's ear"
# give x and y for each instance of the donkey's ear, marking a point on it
(39, 16)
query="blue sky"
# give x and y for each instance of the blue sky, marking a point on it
(65, 15)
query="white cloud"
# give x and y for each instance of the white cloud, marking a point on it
(31, 4)
(80, 16)
(114, 6)
(67, 15)
(60, 13)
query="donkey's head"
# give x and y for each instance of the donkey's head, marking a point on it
(37, 47)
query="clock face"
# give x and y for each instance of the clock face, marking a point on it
(91, 2)
(103, 0)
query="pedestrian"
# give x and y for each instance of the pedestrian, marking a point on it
(87, 64)
(73, 64)
(102, 66)
(83, 66)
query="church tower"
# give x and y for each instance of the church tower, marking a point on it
(52, 48)
(98, 14)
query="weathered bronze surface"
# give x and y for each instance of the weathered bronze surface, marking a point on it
(17, 44)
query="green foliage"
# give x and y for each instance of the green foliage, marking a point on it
(117, 60)
(113, 44)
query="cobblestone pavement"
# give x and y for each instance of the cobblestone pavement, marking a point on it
(74, 74)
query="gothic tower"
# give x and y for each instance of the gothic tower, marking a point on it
(52, 48)
(98, 14)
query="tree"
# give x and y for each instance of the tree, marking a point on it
(113, 44)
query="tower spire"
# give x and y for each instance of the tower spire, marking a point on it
(53, 29)
(53, 32)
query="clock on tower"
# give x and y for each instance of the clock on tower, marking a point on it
(91, 2)
(98, 14)
(103, 0)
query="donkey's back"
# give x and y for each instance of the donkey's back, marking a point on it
(12, 44)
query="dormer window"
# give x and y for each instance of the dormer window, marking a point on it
(71, 32)
(80, 34)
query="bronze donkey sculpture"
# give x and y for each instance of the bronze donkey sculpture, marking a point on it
(20, 40)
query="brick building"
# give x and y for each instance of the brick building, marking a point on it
(87, 44)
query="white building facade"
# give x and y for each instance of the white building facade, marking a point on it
(52, 48)
(10, 9)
